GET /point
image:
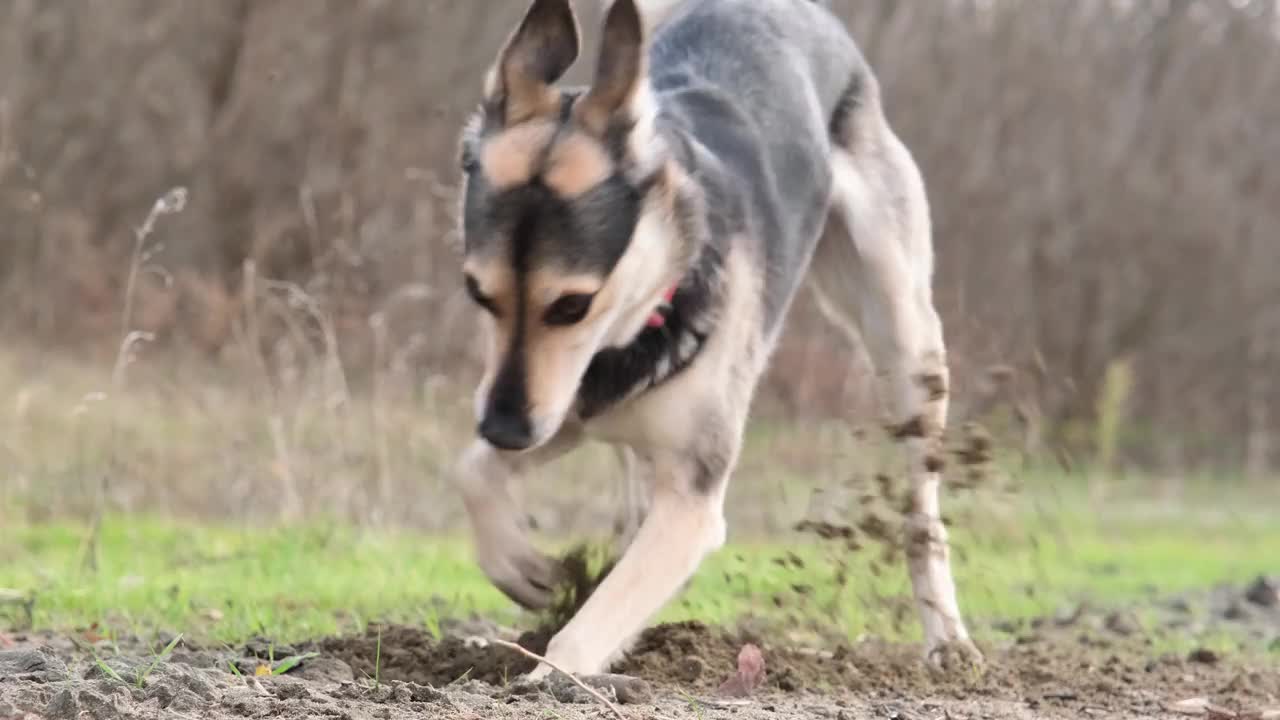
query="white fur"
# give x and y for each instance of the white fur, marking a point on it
(643, 266)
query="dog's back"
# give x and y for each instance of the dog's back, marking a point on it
(763, 85)
(776, 58)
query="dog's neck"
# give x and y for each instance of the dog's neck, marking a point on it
(666, 346)
(658, 317)
(680, 327)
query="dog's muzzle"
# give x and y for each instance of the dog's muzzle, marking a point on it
(507, 431)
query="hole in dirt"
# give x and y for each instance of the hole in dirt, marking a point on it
(1083, 660)
(413, 655)
(688, 654)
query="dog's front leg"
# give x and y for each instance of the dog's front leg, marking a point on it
(634, 496)
(486, 479)
(685, 522)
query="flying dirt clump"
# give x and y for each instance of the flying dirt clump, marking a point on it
(583, 568)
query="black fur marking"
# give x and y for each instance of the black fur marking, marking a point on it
(617, 373)
(477, 220)
(494, 116)
(616, 137)
(589, 233)
(509, 397)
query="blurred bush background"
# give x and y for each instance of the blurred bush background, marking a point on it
(1104, 178)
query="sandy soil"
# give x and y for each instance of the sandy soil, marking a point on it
(1081, 663)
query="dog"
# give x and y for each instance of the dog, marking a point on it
(634, 247)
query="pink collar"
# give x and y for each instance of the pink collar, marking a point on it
(658, 318)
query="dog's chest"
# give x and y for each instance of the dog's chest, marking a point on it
(662, 417)
(657, 355)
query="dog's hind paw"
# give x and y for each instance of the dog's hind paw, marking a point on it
(956, 657)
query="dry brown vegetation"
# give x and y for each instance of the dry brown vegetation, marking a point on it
(1104, 182)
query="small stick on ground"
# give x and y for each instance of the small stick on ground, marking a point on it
(535, 656)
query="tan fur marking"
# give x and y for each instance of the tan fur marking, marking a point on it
(549, 368)
(556, 354)
(496, 282)
(578, 163)
(510, 158)
(533, 103)
(495, 279)
(546, 285)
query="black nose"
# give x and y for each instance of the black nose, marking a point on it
(507, 431)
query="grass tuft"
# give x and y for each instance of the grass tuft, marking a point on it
(110, 671)
(155, 661)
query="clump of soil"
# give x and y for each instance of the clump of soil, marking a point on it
(411, 655)
(693, 655)
(407, 654)
(584, 567)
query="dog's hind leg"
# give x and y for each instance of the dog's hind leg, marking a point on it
(874, 264)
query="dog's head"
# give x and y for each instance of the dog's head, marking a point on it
(564, 217)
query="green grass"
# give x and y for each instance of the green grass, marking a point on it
(230, 584)
(225, 584)
(187, 444)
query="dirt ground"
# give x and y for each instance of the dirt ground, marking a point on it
(1083, 662)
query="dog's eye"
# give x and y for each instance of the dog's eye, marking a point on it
(484, 301)
(569, 309)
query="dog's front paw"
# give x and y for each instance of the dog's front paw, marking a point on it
(538, 674)
(577, 652)
(570, 655)
(956, 657)
(521, 572)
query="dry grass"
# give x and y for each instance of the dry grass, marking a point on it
(1099, 174)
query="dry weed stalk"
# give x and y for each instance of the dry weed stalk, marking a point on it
(7, 154)
(378, 324)
(284, 467)
(572, 678)
(170, 203)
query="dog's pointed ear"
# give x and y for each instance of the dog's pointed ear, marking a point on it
(536, 55)
(620, 72)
